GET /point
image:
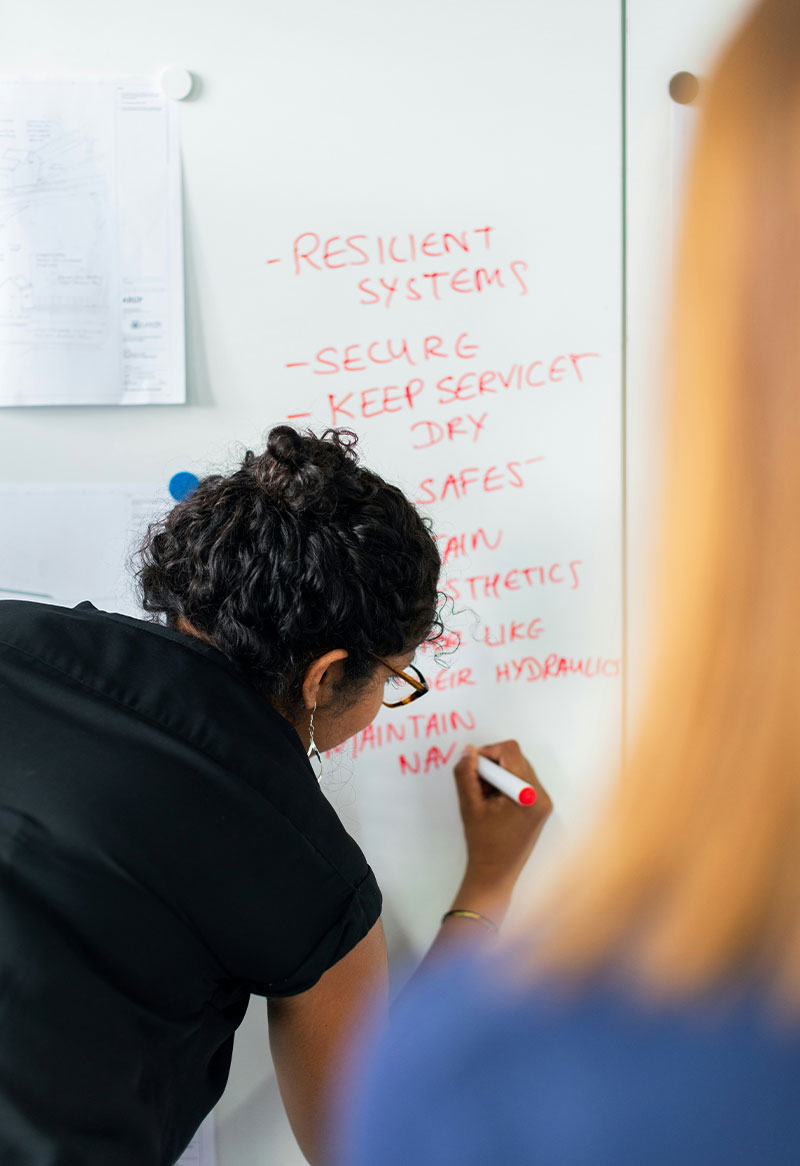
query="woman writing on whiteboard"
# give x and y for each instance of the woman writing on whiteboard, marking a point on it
(166, 848)
(656, 1017)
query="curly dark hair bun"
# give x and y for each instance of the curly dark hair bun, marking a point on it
(299, 551)
(297, 469)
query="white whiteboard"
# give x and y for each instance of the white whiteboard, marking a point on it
(485, 138)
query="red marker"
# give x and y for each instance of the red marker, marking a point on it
(513, 787)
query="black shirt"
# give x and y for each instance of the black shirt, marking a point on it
(165, 850)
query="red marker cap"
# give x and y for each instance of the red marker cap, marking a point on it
(527, 796)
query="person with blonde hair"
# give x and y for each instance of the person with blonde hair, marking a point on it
(652, 1014)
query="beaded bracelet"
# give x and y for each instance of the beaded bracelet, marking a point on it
(471, 915)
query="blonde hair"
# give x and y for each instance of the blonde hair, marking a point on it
(693, 876)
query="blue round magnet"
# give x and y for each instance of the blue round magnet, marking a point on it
(181, 485)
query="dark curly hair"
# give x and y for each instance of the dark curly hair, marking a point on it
(299, 551)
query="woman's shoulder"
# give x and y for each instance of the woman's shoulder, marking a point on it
(486, 1069)
(473, 993)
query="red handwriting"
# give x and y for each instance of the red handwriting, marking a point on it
(375, 401)
(535, 375)
(530, 668)
(428, 433)
(412, 727)
(452, 678)
(447, 642)
(359, 357)
(311, 252)
(493, 586)
(461, 544)
(435, 285)
(512, 631)
(434, 759)
(473, 478)
(435, 724)
(448, 390)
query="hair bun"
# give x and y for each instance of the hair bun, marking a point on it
(286, 469)
(286, 446)
(303, 472)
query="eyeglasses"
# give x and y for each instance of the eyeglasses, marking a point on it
(401, 688)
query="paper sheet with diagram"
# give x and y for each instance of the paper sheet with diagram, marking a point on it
(91, 255)
(63, 544)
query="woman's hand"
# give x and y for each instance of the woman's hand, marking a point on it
(500, 833)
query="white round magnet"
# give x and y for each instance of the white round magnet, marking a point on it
(175, 82)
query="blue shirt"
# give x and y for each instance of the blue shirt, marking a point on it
(475, 1073)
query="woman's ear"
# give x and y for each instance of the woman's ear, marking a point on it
(320, 676)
